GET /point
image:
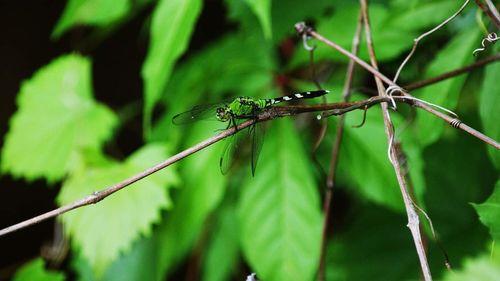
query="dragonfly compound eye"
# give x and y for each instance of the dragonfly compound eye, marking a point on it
(223, 114)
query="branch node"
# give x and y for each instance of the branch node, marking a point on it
(303, 31)
(302, 28)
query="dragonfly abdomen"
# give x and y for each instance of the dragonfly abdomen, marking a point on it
(298, 96)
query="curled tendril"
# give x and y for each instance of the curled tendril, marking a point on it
(305, 37)
(390, 92)
(455, 122)
(391, 143)
(365, 109)
(491, 38)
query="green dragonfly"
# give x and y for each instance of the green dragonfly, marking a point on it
(235, 111)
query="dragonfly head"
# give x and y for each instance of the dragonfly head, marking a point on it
(223, 113)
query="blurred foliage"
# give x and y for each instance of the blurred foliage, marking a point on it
(34, 270)
(191, 222)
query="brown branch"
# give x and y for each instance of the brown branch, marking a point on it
(453, 73)
(413, 219)
(490, 10)
(330, 179)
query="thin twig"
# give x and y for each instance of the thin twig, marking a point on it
(413, 219)
(100, 195)
(417, 40)
(453, 73)
(461, 125)
(330, 180)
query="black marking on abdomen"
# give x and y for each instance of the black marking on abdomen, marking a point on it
(298, 96)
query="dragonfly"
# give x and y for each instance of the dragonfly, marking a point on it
(234, 112)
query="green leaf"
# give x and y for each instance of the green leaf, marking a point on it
(138, 264)
(222, 67)
(489, 212)
(279, 210)
(426, 15)
(285, 14)
(482, 268)
(201, 192)
(35, 271)
(455, 54)
(389, 42)
(221, 258)
(489, 103)
(171, 27)
(90, 12)
(365, 164)
(105, 230)
(56, 119)
(457, 172)
(262, 9)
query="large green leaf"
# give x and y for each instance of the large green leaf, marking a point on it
(171, 27)
(279, 210)
(262, 9)
(35, 271)
(201, 192)
(489, 103)
(56, 119)
(456, 53)
(90, 12)
(489, 212)
(104, 230)
(457, 172)
(221, 257)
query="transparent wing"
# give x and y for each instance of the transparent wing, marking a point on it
(227, 157)
(199, 112)
(256, 135)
